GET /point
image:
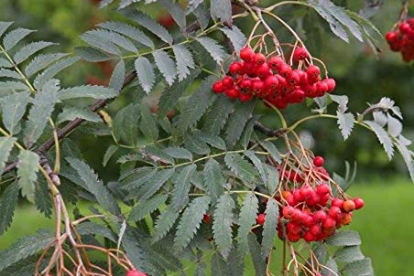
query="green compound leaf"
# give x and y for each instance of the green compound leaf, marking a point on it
(223, 220)
(247, 219)
(190, 221)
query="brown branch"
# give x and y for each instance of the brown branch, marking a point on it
(268, 131)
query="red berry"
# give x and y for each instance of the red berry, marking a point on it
(228, 81)
(261, 219)
(331, 83)
(293, 237)
(359, 203)
(245, 97)
(334, 212)
(275, 63)
(218, 87)
(318, 161)
(285, 70)
(329, 223)
(306, 219)
(206, 218)
(293, 78)
(263, 71)
(271, 83)
(246, 84)
(391, 37)
(300, 54)
(306, 191)
(321, 88)
(298, 96)
(323, 189)
(235, 68)
(257, 87)
(315, 229)
(313, 199)
(313, 73)
(320, 216)
(348, 206)
(296, 215)
(246, 53)
(297, 195)
(293, 228)
(233, 93)
(309, 237)
(288, 211)
(337, 202)
(405, 27)
(135, 273)
(291, 200)
(259, 58)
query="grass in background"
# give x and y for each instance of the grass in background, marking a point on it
(385, 225)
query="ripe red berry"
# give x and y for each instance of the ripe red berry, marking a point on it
(257, 87)
(261, 219)
(245, 97)
(405, 27)
(315, 229)
(285, 70)
(235, 68)
(297, 195)
(337, 202)
(300, 54)
(359, 203)
(348, 206)
(313, 73)
(334, 212)
(391, 37)
(233, 93)
(207, 218)
(309, 237)
(321, 88)
(293, 228)
(218, 87)
(263, 71)
(293, 237)
(331, 83)
(293, 78)
(306, 191)
(288, 211)
(329, 223)
(318, 161)
(246, 84)
(246, 53)
(136, 273)
(271, 83)
(228, 82)
(320, 216)
(275, 63)
(323, 189)
(259, 58)
(298, 96)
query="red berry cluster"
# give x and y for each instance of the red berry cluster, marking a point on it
(310, 211)
(402, 40)
(272, 79)
(313, 214)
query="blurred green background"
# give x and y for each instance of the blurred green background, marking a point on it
(385, 224)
